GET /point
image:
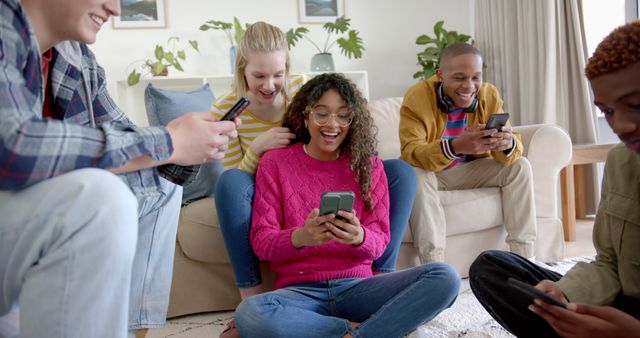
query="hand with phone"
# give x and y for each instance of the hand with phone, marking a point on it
(198, 137)
(314, 231)
(584, 320)
(236, 109)
(502, 138)
(531, 292)
(345, 227)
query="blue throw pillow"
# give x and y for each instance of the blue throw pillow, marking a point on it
(164, 105)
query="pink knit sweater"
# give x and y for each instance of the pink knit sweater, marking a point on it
(289, 183)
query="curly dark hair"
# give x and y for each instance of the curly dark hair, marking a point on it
(360, 143)
(619, 50)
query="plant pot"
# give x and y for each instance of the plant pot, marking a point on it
(233, 52)
(322, 62)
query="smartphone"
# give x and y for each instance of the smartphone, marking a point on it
(531, 292)
(333, 201)
(496, 121)
(237, 108)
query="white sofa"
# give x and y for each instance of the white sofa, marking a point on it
(203, 278)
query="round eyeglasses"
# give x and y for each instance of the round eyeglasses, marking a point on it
(321, 117)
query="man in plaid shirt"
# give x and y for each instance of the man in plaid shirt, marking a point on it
(84, 251)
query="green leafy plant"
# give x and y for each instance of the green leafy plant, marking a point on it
(234, 31)
(165, 57)
(429, 58)
(350, 43)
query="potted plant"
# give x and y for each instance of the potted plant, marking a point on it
(234, 31)
(165, 57)
(429, 58)
(350, 43)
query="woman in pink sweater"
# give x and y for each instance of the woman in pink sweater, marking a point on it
(324, 281)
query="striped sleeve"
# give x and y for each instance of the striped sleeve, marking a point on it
(296, 81)
(239, 154)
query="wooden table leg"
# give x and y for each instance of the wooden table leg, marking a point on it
(568, 203)
(580, 191)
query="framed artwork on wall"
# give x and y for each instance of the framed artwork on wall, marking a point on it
(319, 11)
(141, 14)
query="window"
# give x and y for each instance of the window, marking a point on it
(600, 18)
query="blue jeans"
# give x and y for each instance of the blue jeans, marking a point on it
(153, 262)
(386, 305)
(234, 202)
(66, 250)
(85, 257)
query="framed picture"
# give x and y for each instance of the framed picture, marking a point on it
(319, 11)
(141, 14)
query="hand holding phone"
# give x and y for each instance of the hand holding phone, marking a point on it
(496, 121)
(333, 201)
(532, 292)
(237, 108)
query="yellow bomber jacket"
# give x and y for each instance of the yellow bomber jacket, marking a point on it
(422, 124)
(616, 236)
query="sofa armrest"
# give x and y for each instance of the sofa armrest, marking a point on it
(548, 148)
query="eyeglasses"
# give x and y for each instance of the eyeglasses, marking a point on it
(321, 117)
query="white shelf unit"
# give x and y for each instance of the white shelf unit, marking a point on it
(131, 98)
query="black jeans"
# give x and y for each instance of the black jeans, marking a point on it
(488, 279)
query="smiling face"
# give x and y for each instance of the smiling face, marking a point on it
(326, 139)
(55, 21)
(461, 77)
(617, 95)
(265, 74)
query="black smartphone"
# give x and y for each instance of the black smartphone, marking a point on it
(332, 201)
(496, 121)
(237, 108)
(531, 292)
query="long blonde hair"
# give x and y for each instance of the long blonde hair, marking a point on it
(260, 37)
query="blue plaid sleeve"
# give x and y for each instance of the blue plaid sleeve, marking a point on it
(33, 149)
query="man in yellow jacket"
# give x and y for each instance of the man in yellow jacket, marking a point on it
(443, 135)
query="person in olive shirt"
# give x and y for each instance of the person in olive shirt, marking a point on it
(604, 295)
(442, 121)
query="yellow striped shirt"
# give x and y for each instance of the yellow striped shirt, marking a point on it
(239, 155)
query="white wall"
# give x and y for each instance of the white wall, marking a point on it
(388, 28)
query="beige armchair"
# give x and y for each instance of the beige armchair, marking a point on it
(203, 278)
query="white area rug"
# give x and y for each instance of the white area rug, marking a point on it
(466, 318)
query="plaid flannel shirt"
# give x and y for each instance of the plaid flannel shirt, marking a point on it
(94, 131)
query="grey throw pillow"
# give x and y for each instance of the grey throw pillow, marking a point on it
(164, 105)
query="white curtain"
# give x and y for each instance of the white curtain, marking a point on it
(535, 52)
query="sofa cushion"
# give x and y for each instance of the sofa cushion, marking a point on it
(386, 116)
(164, 105)
(199, 234)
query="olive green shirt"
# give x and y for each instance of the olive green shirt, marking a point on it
(616, 236)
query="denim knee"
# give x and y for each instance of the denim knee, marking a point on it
(251, 314)
(111, 197)
(232, 182)
(445, 273)
(398, 168)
